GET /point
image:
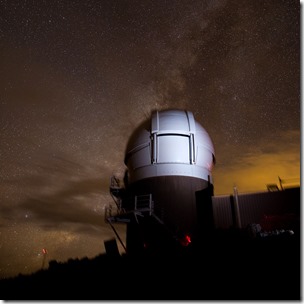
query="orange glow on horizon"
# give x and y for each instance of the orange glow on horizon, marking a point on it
(253, 172)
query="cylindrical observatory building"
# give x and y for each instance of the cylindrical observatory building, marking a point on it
(169, 160)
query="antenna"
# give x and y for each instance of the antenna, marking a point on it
(44, 253)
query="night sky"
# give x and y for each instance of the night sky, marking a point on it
(77, 77)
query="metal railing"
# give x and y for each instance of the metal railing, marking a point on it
(141, 204)
(144, 203)
(289, 182)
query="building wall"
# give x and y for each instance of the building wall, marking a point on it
(174, 200)
(255, 207)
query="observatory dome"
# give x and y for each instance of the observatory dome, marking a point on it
(170, 143)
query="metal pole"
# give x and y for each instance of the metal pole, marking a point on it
(236, 208)
(121, 242)
(44, 252)
(280, 181)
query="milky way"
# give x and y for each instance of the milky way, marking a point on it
(77, 77)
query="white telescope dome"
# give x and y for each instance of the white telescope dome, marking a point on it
(172, 142)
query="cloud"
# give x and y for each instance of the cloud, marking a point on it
(253, 170)
(76, 202)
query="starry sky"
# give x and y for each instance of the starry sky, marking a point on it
(77, 77)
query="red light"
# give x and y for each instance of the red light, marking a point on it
(186, 240)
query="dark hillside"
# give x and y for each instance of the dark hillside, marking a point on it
(230, 267)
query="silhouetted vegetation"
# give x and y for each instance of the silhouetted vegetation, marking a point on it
(229, 265)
